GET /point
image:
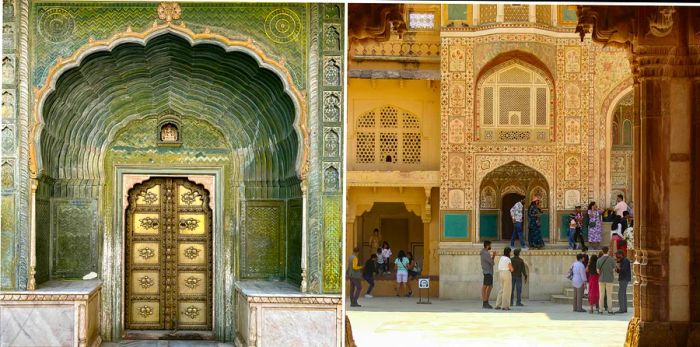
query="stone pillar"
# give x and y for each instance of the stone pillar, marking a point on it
(426, 218)
(475, 14)
(500, 13)
(663, 43)
(532, 13)
(304, 218)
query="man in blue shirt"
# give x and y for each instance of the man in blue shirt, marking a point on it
(624, 276)
(578, 281)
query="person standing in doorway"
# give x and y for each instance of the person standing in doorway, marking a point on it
(605, 266)
(355, 276)
(624, 276)
(572, 232)
(578, 281)
(386, 253)
(578, 235)
(368, 273)
(487, 257)
(519, 274)
(375, 240)
(595, 225)
(505, 268)
(516, 213)
(534, 224)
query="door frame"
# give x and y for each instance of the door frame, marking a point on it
(113, 255)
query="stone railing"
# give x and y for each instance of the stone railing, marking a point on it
(398, 50)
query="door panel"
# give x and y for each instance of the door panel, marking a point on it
(169, 261)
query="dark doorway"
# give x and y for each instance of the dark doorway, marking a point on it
(506, 221)
(395, 231)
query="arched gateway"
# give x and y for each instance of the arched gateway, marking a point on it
(184, 159)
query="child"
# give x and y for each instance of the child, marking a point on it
(572, 231)
(380, 262)
(386, 253)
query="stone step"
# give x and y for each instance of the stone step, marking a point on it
(563, 299)
(569, 292)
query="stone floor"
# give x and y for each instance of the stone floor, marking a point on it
(402, 322)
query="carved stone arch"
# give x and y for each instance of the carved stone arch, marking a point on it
(142, 38)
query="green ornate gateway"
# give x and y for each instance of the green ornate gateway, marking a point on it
(242, 98)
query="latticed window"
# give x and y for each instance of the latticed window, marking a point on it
(388, 135)
(515, 104)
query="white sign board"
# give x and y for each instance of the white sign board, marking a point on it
(424, 283)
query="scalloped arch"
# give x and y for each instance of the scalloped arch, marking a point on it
(288, 138)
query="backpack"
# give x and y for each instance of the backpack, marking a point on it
(570, 275)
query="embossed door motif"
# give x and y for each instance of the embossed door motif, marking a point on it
(168, 256)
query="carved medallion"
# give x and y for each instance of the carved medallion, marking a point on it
(191, 252)
(189, 223)
(56, 25)
(146, 253)
(661, 21)
(190, 197)
(148, 197)
(145, 311)
(146, 282)
(149, 223)
(192, 282)
(169, 11)
(192, 312)
(282, 25)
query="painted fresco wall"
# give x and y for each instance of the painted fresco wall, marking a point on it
(585, 80)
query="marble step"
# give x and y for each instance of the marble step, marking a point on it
(569, 292)
(563, 299)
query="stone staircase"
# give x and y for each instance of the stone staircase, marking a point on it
(568, 296)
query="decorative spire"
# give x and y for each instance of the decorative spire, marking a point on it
(169, 11)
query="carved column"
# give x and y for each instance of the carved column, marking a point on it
(663, 47)
(426, 218)
(304, 251)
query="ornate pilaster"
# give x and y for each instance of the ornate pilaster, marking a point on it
(663, 54)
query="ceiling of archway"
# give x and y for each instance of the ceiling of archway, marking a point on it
(514, 171)
(168, 76)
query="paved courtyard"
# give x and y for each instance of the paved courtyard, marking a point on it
(401, 322)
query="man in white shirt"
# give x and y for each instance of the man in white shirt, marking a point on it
(516, 214)
(578, 281)
(621, 206)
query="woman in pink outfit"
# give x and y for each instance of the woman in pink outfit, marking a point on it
(593, 292)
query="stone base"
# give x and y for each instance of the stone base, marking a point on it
(58, 313)
(680, 334)
(461, 276)
(277, 314)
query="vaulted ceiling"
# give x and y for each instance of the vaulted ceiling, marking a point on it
(168, 76)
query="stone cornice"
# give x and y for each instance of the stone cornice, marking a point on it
(393, 179)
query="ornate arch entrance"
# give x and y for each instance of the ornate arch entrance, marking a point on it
(500, 189)
(170, 103)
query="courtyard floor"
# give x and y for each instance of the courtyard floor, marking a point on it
(400, 322)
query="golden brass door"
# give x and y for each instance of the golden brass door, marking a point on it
(168, 256)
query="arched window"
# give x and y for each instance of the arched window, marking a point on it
(515, 104)
(388, 135)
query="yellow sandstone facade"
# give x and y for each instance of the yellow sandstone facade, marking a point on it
(463, 107)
